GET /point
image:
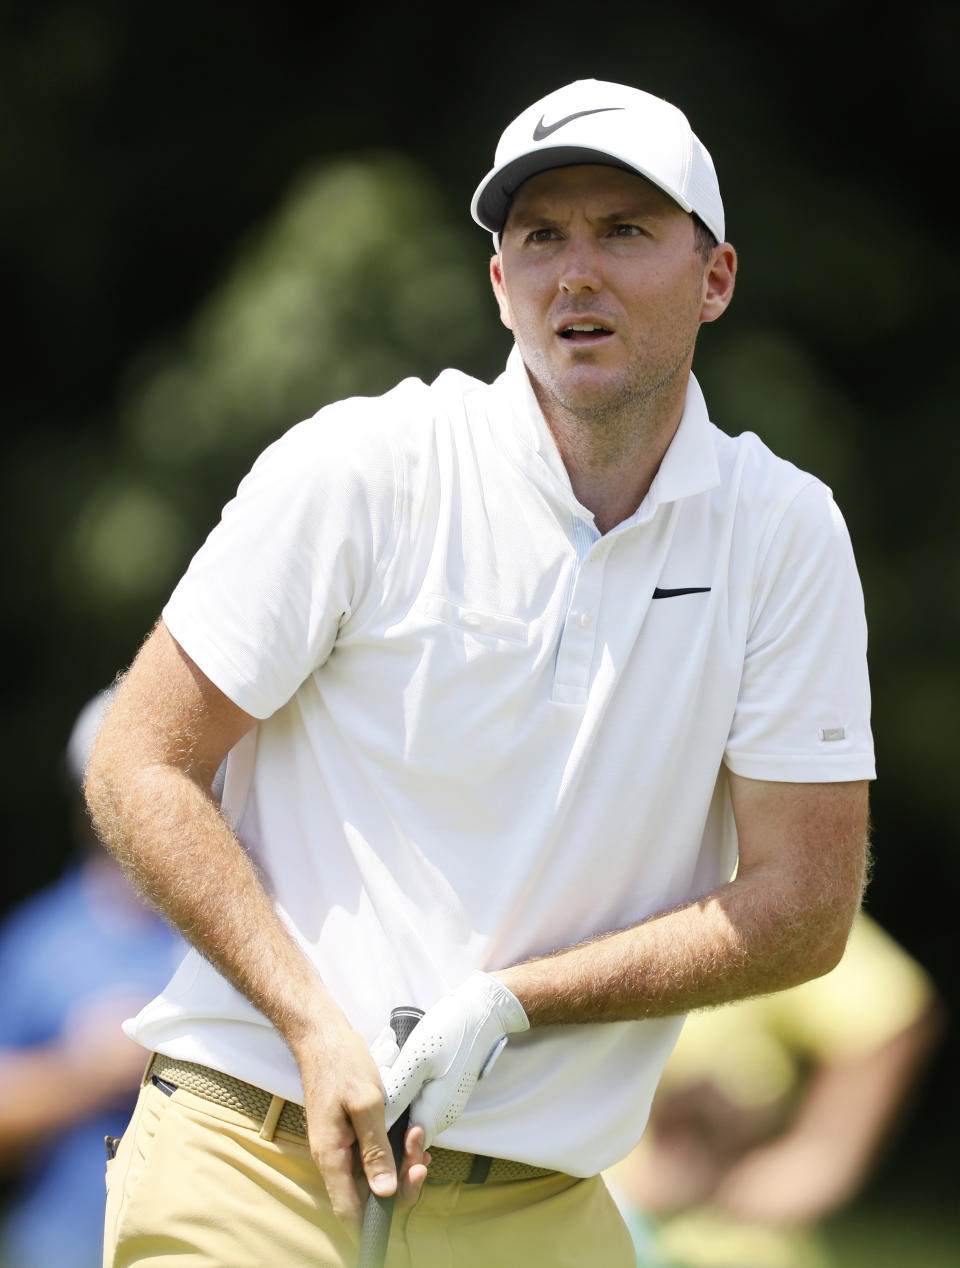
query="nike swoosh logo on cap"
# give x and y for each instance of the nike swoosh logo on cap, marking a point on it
(672, 594)
(543, 130)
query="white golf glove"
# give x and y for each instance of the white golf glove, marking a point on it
(453, 1045)
(385, 1048)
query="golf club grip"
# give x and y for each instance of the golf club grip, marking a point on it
(378, 1211)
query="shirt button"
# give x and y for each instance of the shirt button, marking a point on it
(585, 619)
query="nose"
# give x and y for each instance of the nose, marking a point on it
(580, 269)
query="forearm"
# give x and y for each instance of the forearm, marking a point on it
(38, 1097)
(784, 919)
(865, 1095)
(750, 937)
(170, 837)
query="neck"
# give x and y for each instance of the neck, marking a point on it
(612, 454)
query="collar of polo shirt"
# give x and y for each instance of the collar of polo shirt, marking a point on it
(689, 466)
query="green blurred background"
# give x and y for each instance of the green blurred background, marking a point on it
(215, 219)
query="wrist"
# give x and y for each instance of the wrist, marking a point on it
(510, 1008)
(315, 1019)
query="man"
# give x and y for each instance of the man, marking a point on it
(75, 959)
(772, 1113)
(511, 679)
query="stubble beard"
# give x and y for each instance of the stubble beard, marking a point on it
(620, 416)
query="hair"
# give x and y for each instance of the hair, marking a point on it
(704, 239)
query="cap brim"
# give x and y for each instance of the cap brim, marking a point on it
(491, 201)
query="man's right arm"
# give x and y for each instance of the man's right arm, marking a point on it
(148, 788)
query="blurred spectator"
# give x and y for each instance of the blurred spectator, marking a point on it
(772, 1112)
(75, 959)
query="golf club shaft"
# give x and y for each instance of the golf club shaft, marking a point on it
(378, 1211)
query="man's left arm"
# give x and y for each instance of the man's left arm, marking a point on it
(783, 919)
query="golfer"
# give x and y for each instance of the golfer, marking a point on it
(545, 710)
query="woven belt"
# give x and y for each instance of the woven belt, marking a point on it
(223, 1089)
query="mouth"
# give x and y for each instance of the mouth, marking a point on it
(584, 332)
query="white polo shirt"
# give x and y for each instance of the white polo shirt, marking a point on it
(488, 732)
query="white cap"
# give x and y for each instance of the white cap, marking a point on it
(591, 121)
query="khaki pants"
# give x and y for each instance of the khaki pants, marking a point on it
(199, 1184)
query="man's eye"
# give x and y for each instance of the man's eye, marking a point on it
(626, 231)
(540, 235)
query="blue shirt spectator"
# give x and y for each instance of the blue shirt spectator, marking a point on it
(75, 959)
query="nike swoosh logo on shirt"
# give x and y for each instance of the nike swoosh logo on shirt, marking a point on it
(543, 130)
(672, 594)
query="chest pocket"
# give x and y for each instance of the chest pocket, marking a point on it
(474, 621)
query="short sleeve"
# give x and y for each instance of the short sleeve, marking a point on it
(297, 548)
(803, 709)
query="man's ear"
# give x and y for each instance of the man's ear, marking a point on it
(500, 291)
(718, 281)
